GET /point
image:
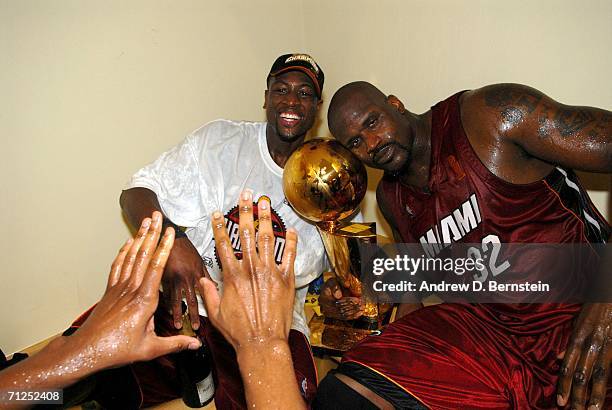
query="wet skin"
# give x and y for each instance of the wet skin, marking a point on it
(255, 310)
(119, 330)
(520, 135)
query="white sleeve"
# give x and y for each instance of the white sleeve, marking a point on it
(175, 179)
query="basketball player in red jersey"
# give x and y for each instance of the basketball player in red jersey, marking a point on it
(507, 151)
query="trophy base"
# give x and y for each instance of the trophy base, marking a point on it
(362, 323)
(333, 337)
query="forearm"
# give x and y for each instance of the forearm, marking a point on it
(138, 203)
(61, 363)
(268, 376)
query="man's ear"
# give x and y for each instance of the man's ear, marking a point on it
(319, 104)
(265, 99)
(394, 101)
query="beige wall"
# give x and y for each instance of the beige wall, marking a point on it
(93, 90)
(96, 89)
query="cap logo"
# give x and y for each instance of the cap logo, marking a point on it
(303, 57)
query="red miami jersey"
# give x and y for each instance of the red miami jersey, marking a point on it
(467, 203)
(478, 356)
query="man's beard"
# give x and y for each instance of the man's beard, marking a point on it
(291, 135)
(400, 170)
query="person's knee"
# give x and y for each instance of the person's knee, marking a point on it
(332, 393)
(352, 385)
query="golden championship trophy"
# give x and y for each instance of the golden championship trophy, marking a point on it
(325, 183)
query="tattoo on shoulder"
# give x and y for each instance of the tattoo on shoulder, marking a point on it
(520, 98)
(513, 102)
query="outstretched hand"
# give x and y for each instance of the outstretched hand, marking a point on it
(121, 329)
(587, 359)
(255, 310)
(257, 301)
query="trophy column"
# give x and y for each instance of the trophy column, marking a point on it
(325, 183)
(342, 243)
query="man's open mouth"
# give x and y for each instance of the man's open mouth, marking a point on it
(288, 119)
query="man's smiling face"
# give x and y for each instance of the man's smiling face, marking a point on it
(291, 104)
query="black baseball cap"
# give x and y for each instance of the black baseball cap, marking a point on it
(300, 62)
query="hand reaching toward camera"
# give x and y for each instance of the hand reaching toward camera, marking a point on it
(255, 310)
(257, 302)
(120, 329)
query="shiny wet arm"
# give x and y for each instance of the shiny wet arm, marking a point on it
(577, 137)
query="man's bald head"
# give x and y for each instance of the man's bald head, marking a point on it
(374, 127)
(349, 98)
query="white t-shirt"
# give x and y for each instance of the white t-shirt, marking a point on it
(207, 172)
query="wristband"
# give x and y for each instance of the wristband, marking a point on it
(179, 232)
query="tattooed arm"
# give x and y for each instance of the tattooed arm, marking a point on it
(544, 129)
(520, 134)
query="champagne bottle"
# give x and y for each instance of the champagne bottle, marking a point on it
(195, 371)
